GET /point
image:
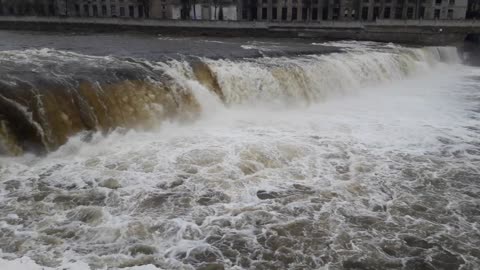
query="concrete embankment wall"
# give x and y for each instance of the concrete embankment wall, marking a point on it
(403, 31)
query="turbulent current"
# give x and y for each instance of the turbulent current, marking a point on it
(363, 158)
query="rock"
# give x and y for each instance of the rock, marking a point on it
(302, 187)
(91, 215)
(156, 200)
(39, 196)
(64, 233)
(265, 195)
(11, 185)
(50, 240)
(88, 197)
(111, 184)
(142, 249)
(379, 208)
(176, 183)
(213, 197)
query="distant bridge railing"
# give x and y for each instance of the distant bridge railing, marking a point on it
(239, 24)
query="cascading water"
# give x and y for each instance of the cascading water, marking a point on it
(362, 159)
(49, 95)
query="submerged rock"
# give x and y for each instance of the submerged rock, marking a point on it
(213, 197)
(111, 184)
(12, 185)
(90, 215)
(265, 195)
(142, 249)
(89, 197)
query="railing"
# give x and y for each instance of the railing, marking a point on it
(240, 24)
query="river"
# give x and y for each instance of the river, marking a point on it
(195, 153)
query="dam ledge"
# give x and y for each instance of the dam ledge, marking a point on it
(434, 32)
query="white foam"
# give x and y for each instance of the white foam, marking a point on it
(365, 132)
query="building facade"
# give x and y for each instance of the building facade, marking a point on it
(253, 10)
(346, 10)
(29, 7)
(194, 9)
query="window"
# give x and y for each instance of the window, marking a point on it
(450, 14)
(398, 12)
(51, 10)
(104, 10)
(1, 9)
(264, 13)
(365, 13)
(345, 12)
(265, 1)
(294, 14)
(421, 14)
(77, 10)
(86, 10)
(95, 10)
(122, 11)
(113, 10)
(376, 12)
(140, 11)
(314, 14)
(386, 13)
(437, 14)
(366, 1)
(438, 2)
(410, 13)
(451, 2)
(353, 13)
(304, 14)
(19, 10)
(336, 12)
(325, 13)
(131, 11)
(253, 11)
(284, 14)
(244, 14)
(274, 13)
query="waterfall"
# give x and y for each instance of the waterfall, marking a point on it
(48, 95)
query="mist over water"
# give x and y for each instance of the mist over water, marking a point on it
(363, 159)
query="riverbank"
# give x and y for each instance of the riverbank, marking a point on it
(422, 32)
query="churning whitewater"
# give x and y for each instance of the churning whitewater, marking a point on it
(365, 158)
